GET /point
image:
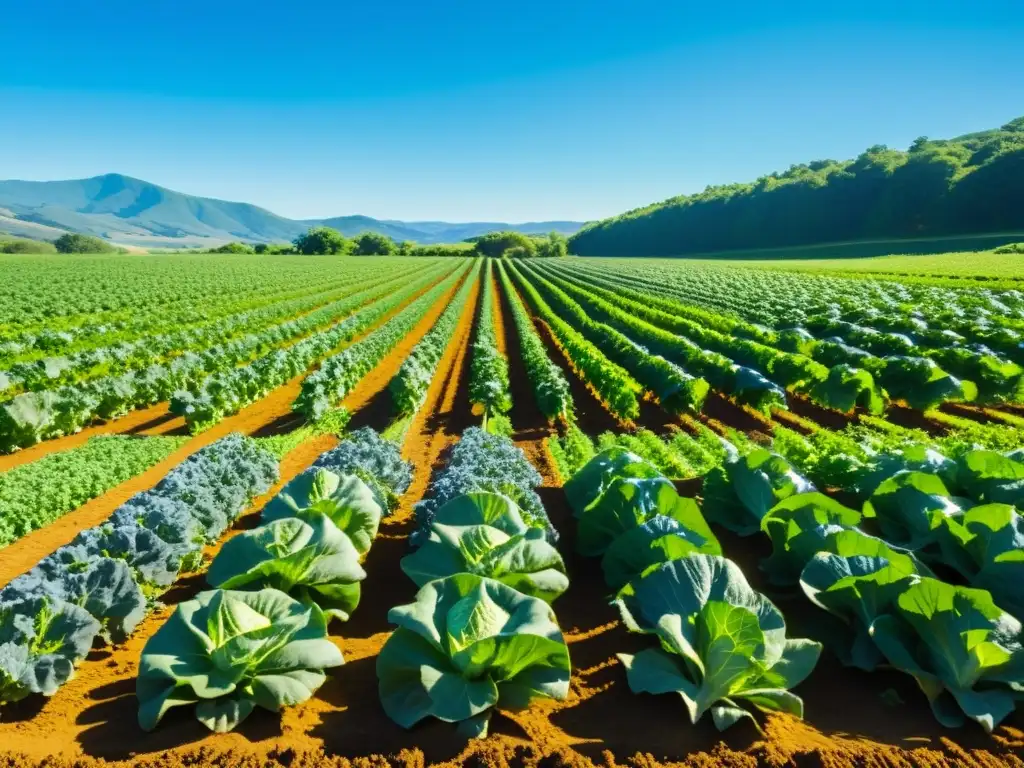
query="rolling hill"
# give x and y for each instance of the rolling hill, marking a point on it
(135, 212)
(971, 185)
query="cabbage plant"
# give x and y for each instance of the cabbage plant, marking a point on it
(966, 654)
(349, 502)
(857, 578)
(466, 646)
(629, 502)
(590, 482)
(228, 652)
(912, 510)
(313, 562)
(484, 534)
(738, 494)
(722, 645)
(797, 526)
(991, 477)
(41, 641)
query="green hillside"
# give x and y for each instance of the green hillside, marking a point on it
(969, 185)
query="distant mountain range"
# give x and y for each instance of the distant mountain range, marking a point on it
(137, 213)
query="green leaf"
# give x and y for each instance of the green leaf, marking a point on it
(349, 502)
(655, 541)
(313, 562)
(593, 479)
(740, 493)
(797, 526)
(466, 645)
(959, 647)
(912, 509)
(233, 651)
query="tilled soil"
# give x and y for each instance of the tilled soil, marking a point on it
(848, 722)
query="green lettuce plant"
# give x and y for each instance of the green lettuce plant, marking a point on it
(313, 562)
(484, 534)
(857, 578)
(721, 644)
(630, 502)
(466, 646)
(591, 481)
(797, 526)
(966, 654)
(657, 540)
(228, 652)
(738, 494)
(912, 509)
(349, 502)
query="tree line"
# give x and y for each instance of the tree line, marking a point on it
(972, 184)
(328, 241)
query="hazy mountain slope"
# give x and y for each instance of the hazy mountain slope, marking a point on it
(128, 210)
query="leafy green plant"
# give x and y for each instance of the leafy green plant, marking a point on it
(228, 652)
(349, 502)
(484, 534)
(738, 494)
(797, 527)
(591, 481)
(721, 644)
(966, 654)
(466, 646)
(912, 509)
(313, 562)
(986, 545)
(630, 502)
(847, 388)
(992, 477)
(41, 641)
(856, 578)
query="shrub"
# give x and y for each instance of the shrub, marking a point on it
(76, 243)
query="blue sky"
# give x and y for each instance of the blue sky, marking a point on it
(477, 110)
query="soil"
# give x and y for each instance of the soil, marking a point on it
(90, 723)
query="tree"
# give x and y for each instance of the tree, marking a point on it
(76, 243)
(233, 248)
(495, 244)
(554, 245)
(406, 247)
(322, 240)
(374, 244)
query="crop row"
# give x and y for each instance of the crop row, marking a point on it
(275, 591)
(910, 359)
(226, 392)
(34, 416)
(102, 584)
(34, 495)
(408, 387)
(550, 388)
(339, 374)
(160, 348)
(107, 331)
(610, 382)
(489, 386)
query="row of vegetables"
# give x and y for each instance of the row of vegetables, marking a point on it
(489, 385)
(50, 372)
(339, 374)
(188, 379)
(968, 348)
(227, 392)
(101, 585)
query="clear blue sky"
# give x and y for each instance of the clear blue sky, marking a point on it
(487, 110)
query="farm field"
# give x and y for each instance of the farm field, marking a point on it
(805, 479)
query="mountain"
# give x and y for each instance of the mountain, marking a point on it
(135, 212)
(967, 186)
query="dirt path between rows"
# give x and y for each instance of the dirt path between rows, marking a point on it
(265, 416)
